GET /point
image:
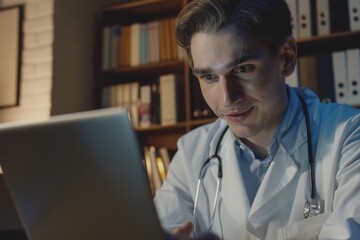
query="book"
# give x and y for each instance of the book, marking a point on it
(353, 73)
(135, 44)
(167, 29)
(126, 96)
(165, 39)
(143, 43)
(134, 96)
(155, 103)
(323, 17)
(119, 95)
(115, 46)
(305, 19)
(125, 45)
(106, 48)
(172, 40)
(150, 28)
(148, 167)
(168, 101)
(156, 173)
(145, 105)
(164, 154)
(112, 95)
(105, 97)
(354, 14)
(155, 41)
(340, 76)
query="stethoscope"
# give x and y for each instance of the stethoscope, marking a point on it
(311, 208)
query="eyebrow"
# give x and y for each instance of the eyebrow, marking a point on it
(244, 57)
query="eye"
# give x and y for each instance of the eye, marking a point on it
(208, 78)
(244, 68)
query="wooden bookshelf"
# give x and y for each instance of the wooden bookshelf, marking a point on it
(153, 10)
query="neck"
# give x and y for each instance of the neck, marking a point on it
(259, 145)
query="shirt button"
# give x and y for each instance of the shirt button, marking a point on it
(267, 164)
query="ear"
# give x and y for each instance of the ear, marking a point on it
(288, 54)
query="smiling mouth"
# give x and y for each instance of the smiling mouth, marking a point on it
(239, 116)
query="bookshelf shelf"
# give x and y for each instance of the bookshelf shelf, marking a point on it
(142, 11)
(156, 67)
(175, 127)
(160, 128)
(129, 73)
(333, 42)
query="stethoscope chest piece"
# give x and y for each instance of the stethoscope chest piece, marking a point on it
(312, 209)
(306, 209)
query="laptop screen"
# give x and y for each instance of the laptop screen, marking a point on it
(79, 176)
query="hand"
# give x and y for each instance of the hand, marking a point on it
(184, 231)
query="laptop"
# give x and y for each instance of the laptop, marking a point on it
(79, 176)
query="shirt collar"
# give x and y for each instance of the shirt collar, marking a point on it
(290, 121)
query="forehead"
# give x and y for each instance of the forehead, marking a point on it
(225, 45)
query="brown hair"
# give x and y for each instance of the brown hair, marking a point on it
(267, 20)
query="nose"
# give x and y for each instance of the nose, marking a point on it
(230, 91)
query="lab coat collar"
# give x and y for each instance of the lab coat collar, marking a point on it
(276, 183)
(289, 122)
(233, 192)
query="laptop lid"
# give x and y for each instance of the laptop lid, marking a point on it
(79, 176)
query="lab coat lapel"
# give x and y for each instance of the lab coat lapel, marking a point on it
(275, 184)
(233, 192)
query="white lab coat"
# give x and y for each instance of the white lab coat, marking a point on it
(277, 210)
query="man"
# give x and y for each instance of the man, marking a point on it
(241, 51)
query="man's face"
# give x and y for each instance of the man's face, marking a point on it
(240, 81)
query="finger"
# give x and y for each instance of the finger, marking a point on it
(184, 230)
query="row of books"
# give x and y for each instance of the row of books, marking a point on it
(334, 76)
(156, 162)
(139, 43)
(148, 104)
(322, 17)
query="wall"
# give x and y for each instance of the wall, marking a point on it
(58, 67)
(74, 54)
(37, 57)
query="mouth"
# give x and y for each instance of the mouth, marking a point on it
(238, 116)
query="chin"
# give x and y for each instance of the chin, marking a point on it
(242, 132)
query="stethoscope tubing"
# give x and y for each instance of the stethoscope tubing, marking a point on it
(310, 150)
(218, 185)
